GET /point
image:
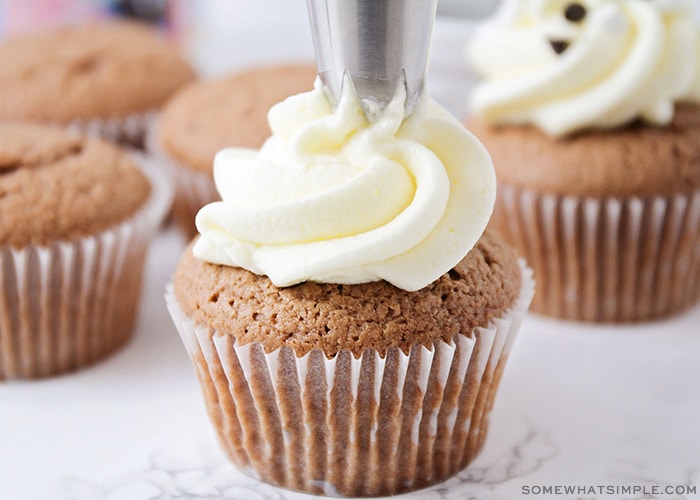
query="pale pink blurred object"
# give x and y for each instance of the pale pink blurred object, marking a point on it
(18, 16)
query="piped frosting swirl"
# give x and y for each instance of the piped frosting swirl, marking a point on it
(570, 65)
(332, 197)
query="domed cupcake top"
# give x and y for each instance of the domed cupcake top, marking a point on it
(58, 186)
(228, 110)
(567, 65)
(332, 197)
(101, 70)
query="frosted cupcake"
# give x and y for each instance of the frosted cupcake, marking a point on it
(77, 217)
(348, 321)
(591, 112)
(109, 79)
(209, 115)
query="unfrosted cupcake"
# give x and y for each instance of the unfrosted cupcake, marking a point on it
(77, 217)
(212, 114)
(347, 320)
(108, 79)
(591, 113)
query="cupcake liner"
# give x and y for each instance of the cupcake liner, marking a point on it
(130, 130)
(65, 305)
(349, 426)
(193, 188)
(606, 260)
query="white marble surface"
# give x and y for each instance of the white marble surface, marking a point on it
(579, 405)
(598, 407)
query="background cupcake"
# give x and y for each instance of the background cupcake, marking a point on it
(77, 217)
(106, 78)
(591, 113)
(212, 114)
(344, 343)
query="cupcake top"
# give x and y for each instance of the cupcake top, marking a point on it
(90, 71)
(571, 65)
(637, 160)
(332, 197)
(332, 317)
(227, 111)
(58, 186)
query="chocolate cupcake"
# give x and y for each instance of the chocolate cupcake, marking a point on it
(592, 117)
(77, 217)
(109, 79)
(348, 322)
(212, 114)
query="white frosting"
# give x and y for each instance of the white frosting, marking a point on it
(331, 197)
(626, 59)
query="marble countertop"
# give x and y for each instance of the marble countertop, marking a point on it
(579, 406)
(608, 411)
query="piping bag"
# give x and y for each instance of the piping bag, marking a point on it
(377, 46)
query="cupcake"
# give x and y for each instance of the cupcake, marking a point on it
(591, 113)
(209, 115)
(348, 320)
(77, 216)
(108, 79)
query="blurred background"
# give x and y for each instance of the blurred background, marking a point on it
(179, 16)
(222, 35)
(218, 34)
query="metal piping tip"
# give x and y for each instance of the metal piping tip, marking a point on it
(378, 45)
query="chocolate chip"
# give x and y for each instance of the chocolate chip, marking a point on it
(575, 12)
(9, 166)
(559, 46)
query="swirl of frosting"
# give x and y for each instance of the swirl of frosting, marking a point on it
(569, 65)
(331, 197)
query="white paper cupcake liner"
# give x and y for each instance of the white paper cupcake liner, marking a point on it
(68, 304)
(130, 130)
(606, 260)
(352, 427)
(193, 188)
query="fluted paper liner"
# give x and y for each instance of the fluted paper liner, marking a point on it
(350, 426)
(129, 130)
(609, 260)
(193, 188)
(68, 304)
